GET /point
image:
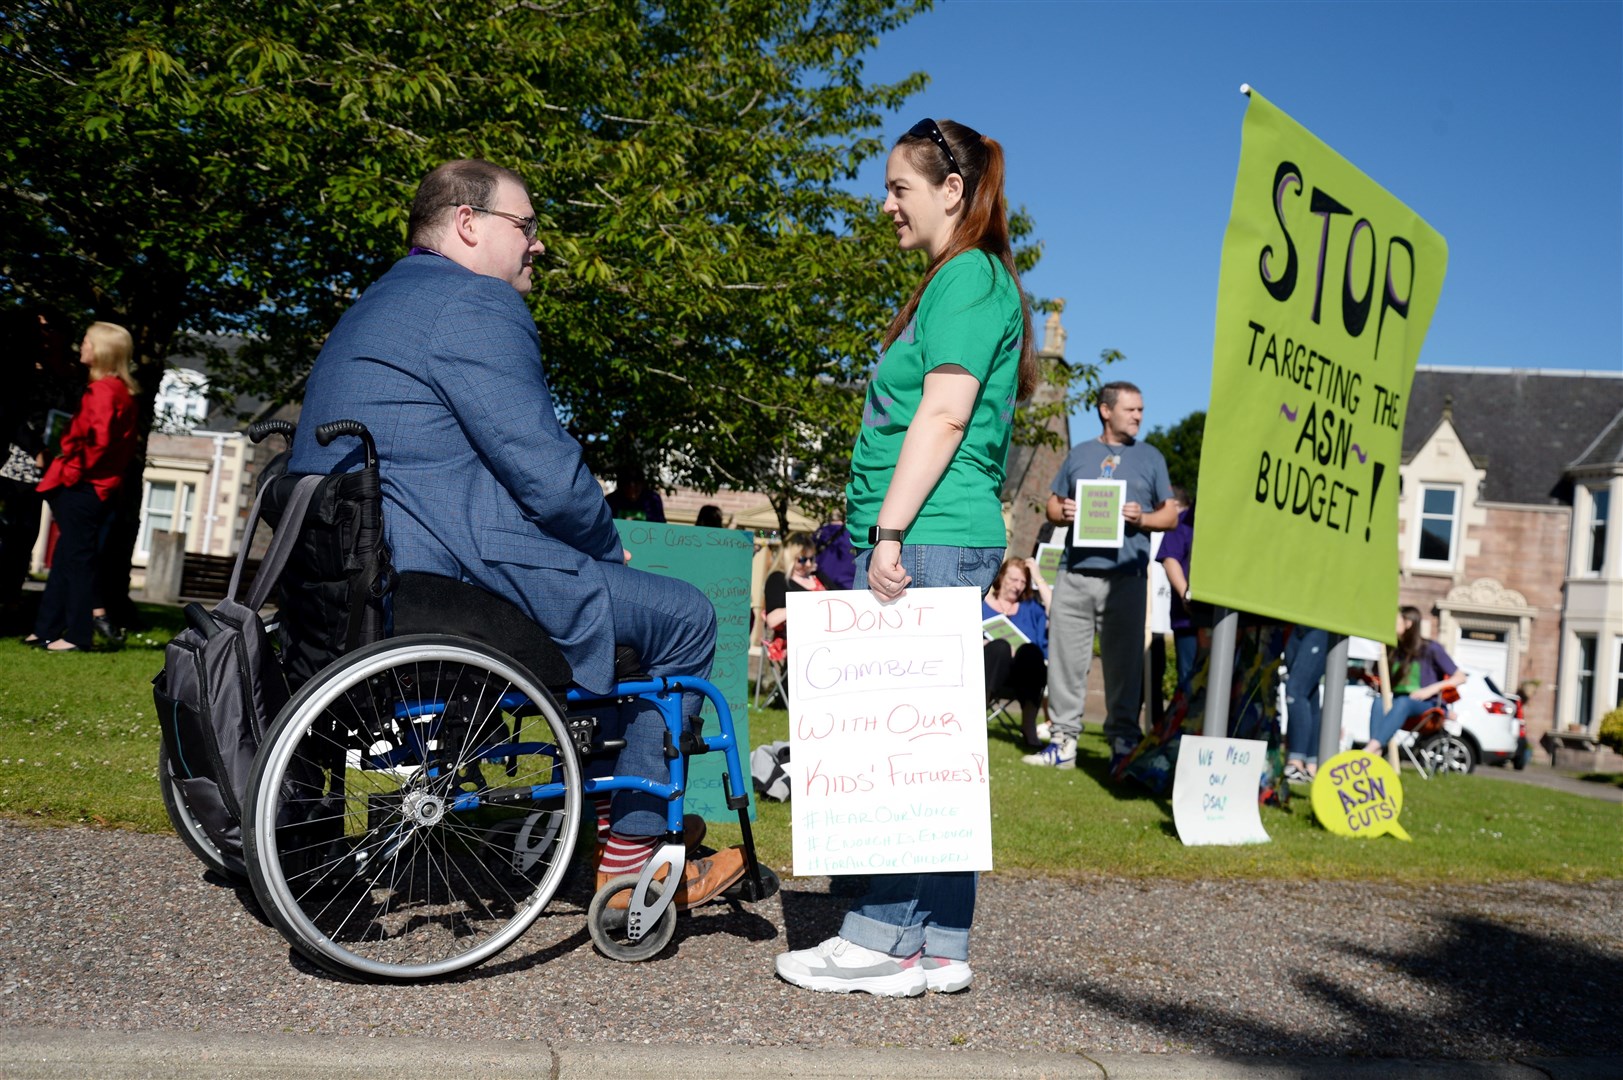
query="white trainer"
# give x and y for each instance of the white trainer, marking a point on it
(941, 975)
(1045, 731)
(838, 966)
(1057, 754)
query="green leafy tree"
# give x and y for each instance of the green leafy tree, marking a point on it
(1180, 445)
(711, 291)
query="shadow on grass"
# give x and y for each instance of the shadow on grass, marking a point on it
(1498, 990)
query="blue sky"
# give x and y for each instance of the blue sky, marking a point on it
(1499, 123)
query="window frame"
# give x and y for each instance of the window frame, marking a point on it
(1454, 519)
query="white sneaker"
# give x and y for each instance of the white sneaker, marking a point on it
(838, 966)
(1059, 753)
(940, 974)
(1045, 731)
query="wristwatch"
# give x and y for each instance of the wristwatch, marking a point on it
(876, 534)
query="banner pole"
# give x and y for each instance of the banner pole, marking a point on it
(1335, 687)
(1220, 672)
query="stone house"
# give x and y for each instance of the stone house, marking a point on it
(1507, 481)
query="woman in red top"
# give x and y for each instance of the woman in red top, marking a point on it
(80, 481)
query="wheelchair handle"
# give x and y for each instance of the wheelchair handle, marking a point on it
(258, 430)
(327, 432)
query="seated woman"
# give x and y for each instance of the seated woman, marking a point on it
(1421, 670)
(1021, 594)
(796, 571)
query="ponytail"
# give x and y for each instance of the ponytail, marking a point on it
(983, 226)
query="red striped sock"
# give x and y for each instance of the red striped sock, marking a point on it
(602, 803)
(626, 854)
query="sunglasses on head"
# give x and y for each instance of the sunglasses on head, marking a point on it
(926, 129)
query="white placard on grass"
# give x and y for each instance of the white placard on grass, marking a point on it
(1214, 794)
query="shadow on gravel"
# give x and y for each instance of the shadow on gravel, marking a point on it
(1498, 991)
(810, 917)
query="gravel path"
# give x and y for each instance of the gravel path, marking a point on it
(106, 929)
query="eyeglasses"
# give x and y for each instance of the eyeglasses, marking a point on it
(926, 129)
(529, 226)
(806, 559)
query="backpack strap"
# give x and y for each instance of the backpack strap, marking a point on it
(281, 547)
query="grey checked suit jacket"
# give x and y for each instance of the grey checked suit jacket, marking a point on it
(480, 481)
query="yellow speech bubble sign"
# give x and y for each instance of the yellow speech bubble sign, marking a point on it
(1358, 794)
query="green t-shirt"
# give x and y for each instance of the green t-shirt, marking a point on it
(969, 315)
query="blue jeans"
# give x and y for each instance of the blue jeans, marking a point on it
(1383, 726)
(1186, 645)
(672, 625)
(1305, 654)
(903, 913)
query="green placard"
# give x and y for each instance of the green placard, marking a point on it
(1327, 287)
(1099, 522)
(1050, 557)
(717, 563)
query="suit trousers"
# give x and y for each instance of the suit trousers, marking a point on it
(672, 625)
(1113, 607)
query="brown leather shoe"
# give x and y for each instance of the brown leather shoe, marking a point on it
(702, 880)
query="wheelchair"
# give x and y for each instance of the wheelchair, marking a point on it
(415, 806)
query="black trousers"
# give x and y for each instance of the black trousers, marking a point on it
(19, 526)
(64, 610)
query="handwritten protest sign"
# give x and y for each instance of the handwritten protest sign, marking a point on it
(717, 563)
(1214, 794)
(1099, 523)
(1326, 290)
(887, 733)
(1358, 794)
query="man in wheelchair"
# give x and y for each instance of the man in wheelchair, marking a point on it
(440, 359)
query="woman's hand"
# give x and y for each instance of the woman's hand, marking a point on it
(887, 577)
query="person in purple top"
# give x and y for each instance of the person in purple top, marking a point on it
(1421, 671)
(1174, 555)
(836, 558)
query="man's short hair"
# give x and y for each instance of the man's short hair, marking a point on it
(456, 183)
(1109, 392)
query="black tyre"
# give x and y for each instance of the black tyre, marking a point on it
(610, 927)
(227, 864)
(1447, 753)
(413, 809)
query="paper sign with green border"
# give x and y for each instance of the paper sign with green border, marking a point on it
(1098, 514)
(1326, 289)
(717, 563)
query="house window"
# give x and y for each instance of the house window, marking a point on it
(1617, 691)
(167, 507)
(1586, 680)
(1599, 503)
(1439, 524)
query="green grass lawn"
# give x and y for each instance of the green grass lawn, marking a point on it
(79, 743)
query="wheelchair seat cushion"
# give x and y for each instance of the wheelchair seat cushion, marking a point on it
(431, 604)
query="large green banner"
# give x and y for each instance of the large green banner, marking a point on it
(717, 563)
(1327, 286)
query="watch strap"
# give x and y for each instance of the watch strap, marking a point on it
(876, 534)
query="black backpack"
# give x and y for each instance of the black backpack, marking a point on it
(221, 687)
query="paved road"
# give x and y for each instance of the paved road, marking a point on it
(119, 933)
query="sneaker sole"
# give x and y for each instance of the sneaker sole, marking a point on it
(902, 984)
(948, 985)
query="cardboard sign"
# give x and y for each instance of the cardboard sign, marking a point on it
(1326, 289)
(717, 563)
(887, 733)
(1099, 523)
(1214, 793)
(1001, 628)
(1050, 559)
(1358, 794)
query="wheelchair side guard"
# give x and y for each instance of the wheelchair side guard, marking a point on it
(642, 915)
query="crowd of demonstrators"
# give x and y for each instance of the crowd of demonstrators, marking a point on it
(926, 473)
(1103, 590)
(1420, 671)
(487, 487)
(796, 571)
(1021, 595)
(79, 484)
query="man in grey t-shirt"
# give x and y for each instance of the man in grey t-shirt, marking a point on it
(1103, 589)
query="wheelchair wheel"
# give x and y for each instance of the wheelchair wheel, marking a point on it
(1447, 753)
(191, 833)
(413, 809)
(609, 928)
